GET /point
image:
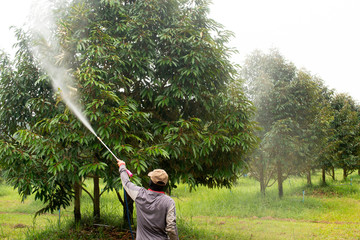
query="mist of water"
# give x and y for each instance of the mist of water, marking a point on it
(49, 54)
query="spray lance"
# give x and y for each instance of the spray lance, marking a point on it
(130, 175)
(127, 171)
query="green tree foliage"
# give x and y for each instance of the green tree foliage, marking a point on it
(21, 82)
(156, 84)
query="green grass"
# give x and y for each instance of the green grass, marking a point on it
(323, 212)
(17, 217)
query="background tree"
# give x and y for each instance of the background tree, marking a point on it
(267, 75)
(313, 120)
(345, 140)
(322, 133)
(288, 102)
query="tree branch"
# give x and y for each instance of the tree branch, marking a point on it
(271, 183)
(92, 198)
(119, 197)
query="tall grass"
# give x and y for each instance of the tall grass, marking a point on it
(305, 212)
(245, 200)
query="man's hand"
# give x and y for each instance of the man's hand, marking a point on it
(120, 162)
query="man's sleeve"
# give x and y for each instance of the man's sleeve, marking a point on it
(130, 188)
(171, 228)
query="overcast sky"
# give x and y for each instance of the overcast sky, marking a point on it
(319, 35)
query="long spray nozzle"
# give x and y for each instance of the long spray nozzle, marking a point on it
(128, 172)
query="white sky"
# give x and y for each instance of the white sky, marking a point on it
(320, 35)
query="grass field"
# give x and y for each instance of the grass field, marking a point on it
(331, 212)
(305, 212)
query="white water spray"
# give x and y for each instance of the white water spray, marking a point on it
(49, 53)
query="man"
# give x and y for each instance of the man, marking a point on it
(156, 217)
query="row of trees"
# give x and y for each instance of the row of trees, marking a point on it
(304, 125)
(158, 87)
(156, 84)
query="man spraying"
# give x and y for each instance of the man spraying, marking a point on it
(156, 217)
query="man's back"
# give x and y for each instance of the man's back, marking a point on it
(156, 216)
(152, 210)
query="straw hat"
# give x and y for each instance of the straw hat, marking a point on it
(159, 177)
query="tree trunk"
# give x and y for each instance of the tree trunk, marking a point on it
(345, 173)
(308, 177)
(323, 176)
(359, 171)
(77, 210)
(262, 187)
(279, 179)
(96, 199)
(333, 173)
(262, 181)
(130, 205)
